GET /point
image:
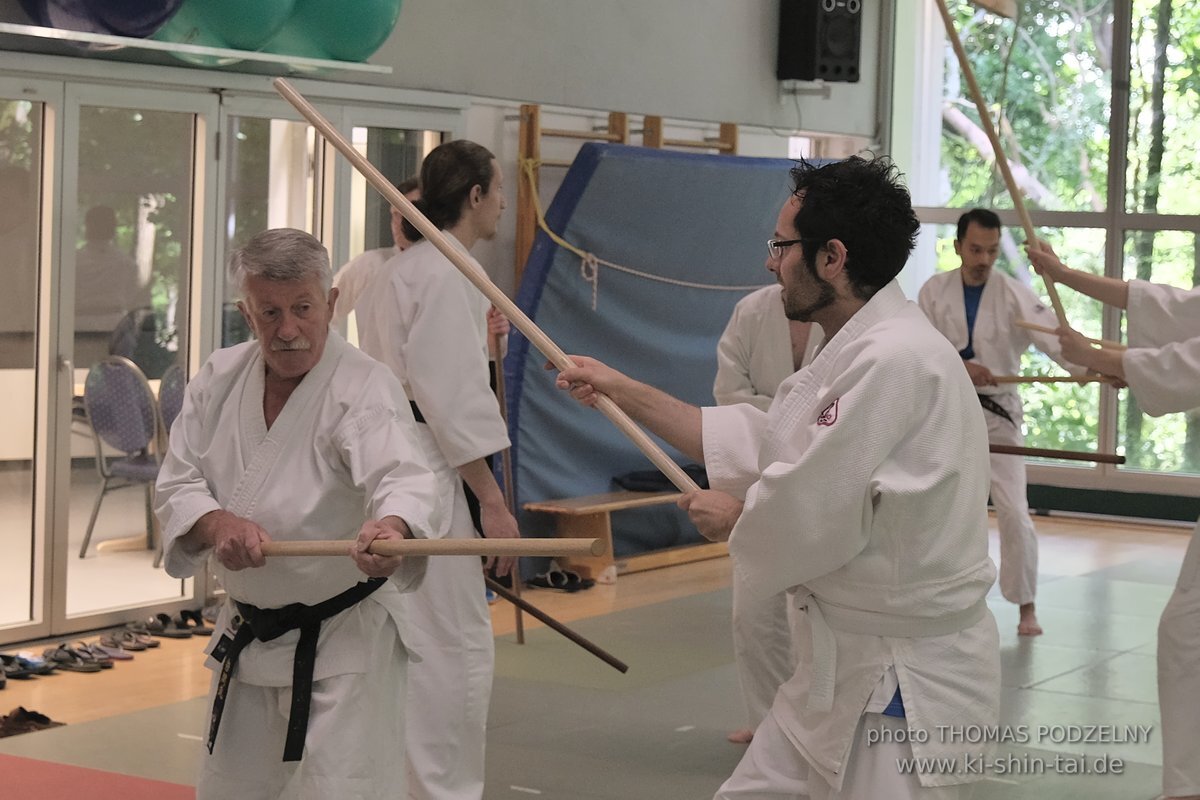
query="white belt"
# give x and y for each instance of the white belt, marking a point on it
(825, 617)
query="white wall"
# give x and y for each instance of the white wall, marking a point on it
(687, 59)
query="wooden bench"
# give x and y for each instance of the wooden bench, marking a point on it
(589, 517)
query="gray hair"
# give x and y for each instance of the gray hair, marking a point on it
(281, 254)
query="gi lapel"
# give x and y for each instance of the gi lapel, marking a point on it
(263, 445)
(803, 403)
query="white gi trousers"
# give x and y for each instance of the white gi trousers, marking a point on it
(762, 648)
(1179, 678)
(773, 769)
(1018, 538)
(354, 746)
(450, 680)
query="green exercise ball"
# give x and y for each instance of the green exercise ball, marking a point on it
(187, 27)
(230, 24)
(335, 29)
(246, 24)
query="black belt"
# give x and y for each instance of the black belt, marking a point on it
(266, 624)
(997, 409)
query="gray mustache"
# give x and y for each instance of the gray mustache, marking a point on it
(296, 344)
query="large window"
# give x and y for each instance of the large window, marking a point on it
(1106, 168)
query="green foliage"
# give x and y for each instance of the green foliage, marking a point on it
(1049, 76)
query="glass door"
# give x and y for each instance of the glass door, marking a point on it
(129, 210)
(25, 108)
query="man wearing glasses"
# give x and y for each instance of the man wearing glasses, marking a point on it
(860, 491)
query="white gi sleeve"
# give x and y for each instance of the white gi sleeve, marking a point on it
(380, 450)
(448, 372)
(1162, 366)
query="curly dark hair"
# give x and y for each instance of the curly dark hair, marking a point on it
(863, 203)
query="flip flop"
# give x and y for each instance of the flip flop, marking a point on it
(141, 635)
(161, 626)
(102, 653)
(123, 640)
(85, 652)
(12, 668)
(67, 659)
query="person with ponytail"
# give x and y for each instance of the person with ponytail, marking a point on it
(426, 321)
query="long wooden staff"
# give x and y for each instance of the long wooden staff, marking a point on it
(469, 547)
(441, 547)
(553, 624)
(1065, 455)
(1081, 379)
(481, 281)
(506, 473)
(985, 120)
(1105, 343)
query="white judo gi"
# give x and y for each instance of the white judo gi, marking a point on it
(343, 449)
(754, 356)
(427, 322)
(1162, 368)
(864, 489)
(353, 278)
(998, 345)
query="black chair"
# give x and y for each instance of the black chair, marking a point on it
(123, 414)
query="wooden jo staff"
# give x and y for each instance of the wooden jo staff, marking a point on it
(1105, 343)
(1066, 455)
(440, 547)
(1080, 379)
(516, 316)
(469, 547)
(985, 120)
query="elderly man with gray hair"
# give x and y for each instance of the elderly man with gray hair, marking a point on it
(298, 436)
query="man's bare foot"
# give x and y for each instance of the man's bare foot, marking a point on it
(1028, 626)
(741, 736)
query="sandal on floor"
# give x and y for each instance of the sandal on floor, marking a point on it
(161, 625)
(35, 663)
(101, 655)
(123, 640)
(67, 659)
(192, 621)
(12, 668)
(563, 580)
(141, 635)
(20, 720)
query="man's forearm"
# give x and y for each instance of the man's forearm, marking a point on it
(482, 482)
(1110, 291)
(677, 422)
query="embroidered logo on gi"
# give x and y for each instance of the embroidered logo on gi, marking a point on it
(829, 415)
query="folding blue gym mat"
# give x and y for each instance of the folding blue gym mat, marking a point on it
(685, 217)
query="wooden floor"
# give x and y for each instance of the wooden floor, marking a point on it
(175, 672)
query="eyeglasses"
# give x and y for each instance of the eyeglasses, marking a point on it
(775, 246)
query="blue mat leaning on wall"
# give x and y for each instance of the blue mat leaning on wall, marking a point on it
(701, 219)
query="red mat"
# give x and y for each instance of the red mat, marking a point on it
(28, 777)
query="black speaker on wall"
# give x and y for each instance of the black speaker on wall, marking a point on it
(819, 40)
